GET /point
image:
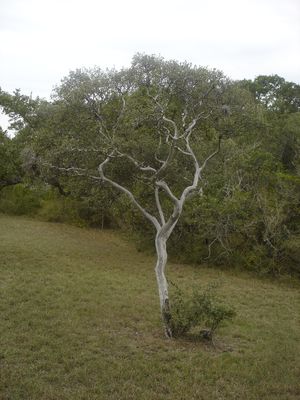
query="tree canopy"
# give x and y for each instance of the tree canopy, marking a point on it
(246, 208)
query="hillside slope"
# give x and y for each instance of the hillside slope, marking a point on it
(80, 320)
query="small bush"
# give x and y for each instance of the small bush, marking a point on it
(202, 310)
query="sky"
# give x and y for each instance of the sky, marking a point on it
(42, 40)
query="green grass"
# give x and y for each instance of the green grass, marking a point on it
(80, 320)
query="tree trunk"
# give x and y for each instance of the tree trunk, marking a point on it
(162, 256)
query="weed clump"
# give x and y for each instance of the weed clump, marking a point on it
(202, 310)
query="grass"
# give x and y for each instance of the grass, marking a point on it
(80, 320)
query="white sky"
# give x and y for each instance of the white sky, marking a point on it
(42, 40)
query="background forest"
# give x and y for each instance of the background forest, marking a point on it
(247, 214)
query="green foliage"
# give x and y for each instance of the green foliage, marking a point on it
(275, 93)
(55, 208)
(202, 310)
(44, 203)
(9, 161)
(247, 214)
(20, 200)
(290, 253)
(248, 210)
(20, 108)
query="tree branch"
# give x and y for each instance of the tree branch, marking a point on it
(136, 163)
(166, 119)
(121, 188)
(194, 185)
(212, 155)
(166, 188)
(173, 123)
(158, 204)
(77, 171)
(167, 160)
(182, 151)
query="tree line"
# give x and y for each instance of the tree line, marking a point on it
(212, 163)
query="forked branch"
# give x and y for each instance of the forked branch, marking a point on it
(122, 189)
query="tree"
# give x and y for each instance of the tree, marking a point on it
(149, 132)
(275, 93)
(10, 173)
(20, 109)
(138, 119)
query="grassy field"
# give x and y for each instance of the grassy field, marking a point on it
(80, 320)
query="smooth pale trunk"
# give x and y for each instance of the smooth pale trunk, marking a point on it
(162, 256)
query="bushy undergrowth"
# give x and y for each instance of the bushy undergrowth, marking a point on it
(196, 239)
(202, 310)
(42, 202)
(56, 208)
(20, 200)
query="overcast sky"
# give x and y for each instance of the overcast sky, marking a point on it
(42, 40)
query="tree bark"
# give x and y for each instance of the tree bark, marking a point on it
(162, 256)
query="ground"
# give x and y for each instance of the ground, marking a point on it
(80, 320)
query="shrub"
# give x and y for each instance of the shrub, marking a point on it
(291, 254)
(56, 208)
(202, 310)
(20, 200)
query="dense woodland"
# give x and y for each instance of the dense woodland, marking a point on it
(246, 213)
